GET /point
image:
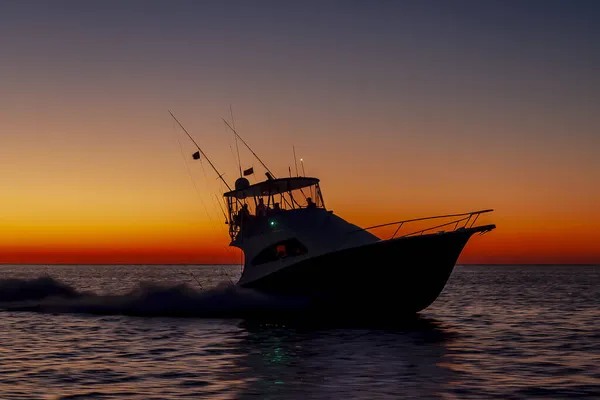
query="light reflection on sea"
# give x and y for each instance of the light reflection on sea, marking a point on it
(496, 332)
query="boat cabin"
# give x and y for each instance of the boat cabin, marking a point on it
(251, 206)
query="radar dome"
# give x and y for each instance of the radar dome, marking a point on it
(241, 183)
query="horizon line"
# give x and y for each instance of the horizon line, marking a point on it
(238, 264)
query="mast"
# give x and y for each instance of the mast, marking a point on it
(246, 144)
(200, 150)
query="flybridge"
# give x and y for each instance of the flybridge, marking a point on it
(248, 205)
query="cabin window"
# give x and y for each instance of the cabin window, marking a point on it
(277, 251)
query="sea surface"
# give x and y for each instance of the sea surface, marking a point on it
(162, 332)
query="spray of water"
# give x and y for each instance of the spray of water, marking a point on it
(46, 294)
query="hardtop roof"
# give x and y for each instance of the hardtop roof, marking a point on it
(272, 186)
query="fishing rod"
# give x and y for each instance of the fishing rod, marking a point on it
(246, 144)
(221, 207)
(200, 150)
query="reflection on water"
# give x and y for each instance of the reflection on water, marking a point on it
(496, 332)
(290, 361)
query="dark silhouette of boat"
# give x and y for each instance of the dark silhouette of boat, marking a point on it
(294, 245)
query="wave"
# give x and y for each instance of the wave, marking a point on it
(47, 295)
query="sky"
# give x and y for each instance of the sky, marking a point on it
(402, 109)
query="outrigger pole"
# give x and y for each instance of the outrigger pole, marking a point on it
(246, 144)
(200, 150)
(236, 143)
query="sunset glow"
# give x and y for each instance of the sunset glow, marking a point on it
(400, 114)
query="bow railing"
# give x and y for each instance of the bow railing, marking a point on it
(462, 221)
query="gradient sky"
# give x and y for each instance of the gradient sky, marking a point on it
(402, 109)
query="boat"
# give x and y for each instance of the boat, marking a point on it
(293, 245)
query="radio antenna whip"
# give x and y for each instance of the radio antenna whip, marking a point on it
(295, 162)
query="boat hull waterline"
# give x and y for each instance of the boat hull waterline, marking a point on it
(402, 276)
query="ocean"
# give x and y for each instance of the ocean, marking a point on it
(165, 332)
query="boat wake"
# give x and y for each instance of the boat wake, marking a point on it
(47, 295)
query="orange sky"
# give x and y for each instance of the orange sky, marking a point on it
(400, 112)
(138, 204)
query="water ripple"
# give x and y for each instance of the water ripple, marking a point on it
(495, 333)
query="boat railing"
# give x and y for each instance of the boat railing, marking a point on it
(460, 221)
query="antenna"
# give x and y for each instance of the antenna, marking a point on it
(302, 163)
(236, 143)
(294, 149)
(200, 150)
(246, 144)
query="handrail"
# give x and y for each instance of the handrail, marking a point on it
(467, 217)
(437, 226)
